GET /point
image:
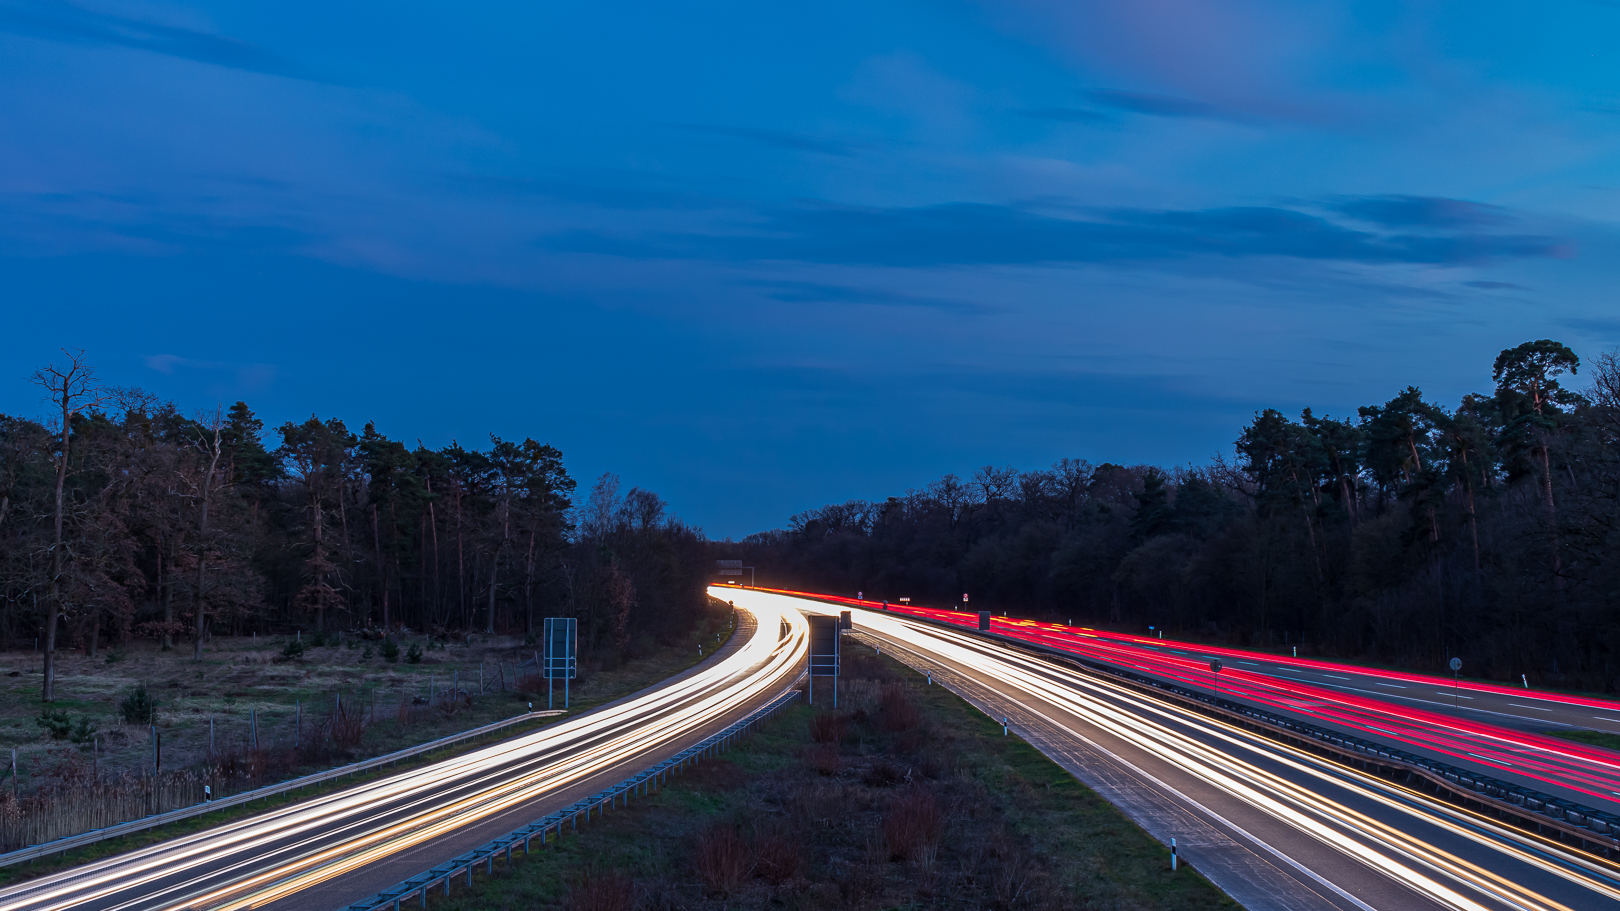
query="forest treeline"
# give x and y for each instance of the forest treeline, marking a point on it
(121, 517)
(1410, 532)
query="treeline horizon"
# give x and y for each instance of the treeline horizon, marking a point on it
(122, 518)
(1410, 532)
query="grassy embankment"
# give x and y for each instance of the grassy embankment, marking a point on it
(241, 676)
(1594, 738)
(907, 798)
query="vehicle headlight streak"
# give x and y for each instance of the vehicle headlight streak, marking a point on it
(258, 860)
(1587, 772)
(1420, 865)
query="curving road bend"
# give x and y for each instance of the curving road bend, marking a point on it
(1275, 827)
(317, 853)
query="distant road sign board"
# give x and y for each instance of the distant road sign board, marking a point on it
(730, 567)
(560, 658)
(824, 645)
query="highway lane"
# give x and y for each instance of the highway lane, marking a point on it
(1577, 772)
(1525, 708)
(1275, 827)
(316, 846)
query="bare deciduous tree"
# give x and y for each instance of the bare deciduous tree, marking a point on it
(71, 389)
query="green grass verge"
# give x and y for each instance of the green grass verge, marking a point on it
(1595, 738)
(922, 803)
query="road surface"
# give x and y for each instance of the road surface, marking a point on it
(329, 851)
(1275, 827)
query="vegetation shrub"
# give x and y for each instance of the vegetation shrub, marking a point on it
(913, 822)
(390, 651)
(138, 706)
(414, 654)
(896, 713)
(826, 727)
(778, 854)
(55, 723)
(293, 650)
(722, 858)
(825, 759)
(602, 890)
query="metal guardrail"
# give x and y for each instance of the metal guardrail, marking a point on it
(34, 852)
(1592, 830)
(643, 783)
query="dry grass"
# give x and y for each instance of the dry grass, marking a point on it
(272, 718)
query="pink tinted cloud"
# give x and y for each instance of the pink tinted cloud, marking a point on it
(1252, 57)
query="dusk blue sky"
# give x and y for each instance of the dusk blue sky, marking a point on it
(759, 256)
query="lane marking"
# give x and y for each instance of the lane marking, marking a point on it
(1452, 695)
(1533, 708)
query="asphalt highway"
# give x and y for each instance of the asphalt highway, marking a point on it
(316, 853)
(1493, 733)
(1275, 827)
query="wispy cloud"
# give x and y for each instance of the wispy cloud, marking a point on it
(817, 293)
(778, 139)
(67, 22)
(1155, 105)
(1067, 115)
(979, 234)
(1419, 211)
(249, 377)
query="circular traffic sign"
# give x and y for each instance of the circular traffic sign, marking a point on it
(1456, 664)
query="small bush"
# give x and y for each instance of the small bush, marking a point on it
(913, 822)
(293, 650)
(895, 711)
(138, 706)
(390, 651)
(55, 723)
(777, 855)
(826, 727)
(115, 656)
(365, 654)
(722, 858)
(414, 655)
(353, 644)
(84, 730)
(598, 890)
(824, 758)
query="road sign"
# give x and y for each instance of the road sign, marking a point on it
(824, 652)
(1215, 665)
(964, 597)
(559, 638)
(984, 620)
(1456, 664)
(844, 621)
(730, 567)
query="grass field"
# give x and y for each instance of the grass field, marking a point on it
(1595, 738)
(241, 684)
(908, 798)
